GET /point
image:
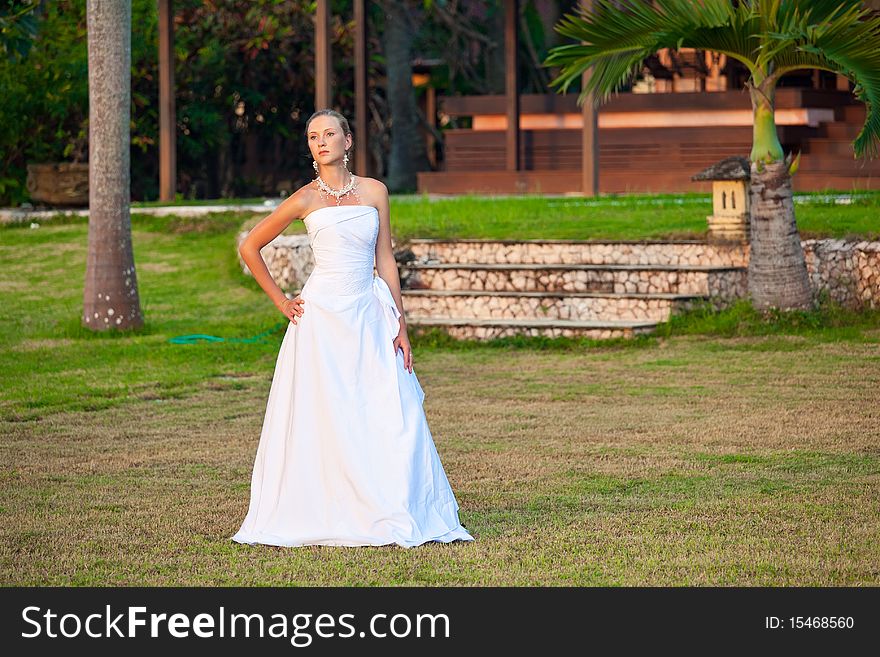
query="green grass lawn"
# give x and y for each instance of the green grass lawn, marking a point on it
(658, 216)
(183, 202)
(634, 216)
(725, 450)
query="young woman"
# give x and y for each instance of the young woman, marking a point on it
(345, 454)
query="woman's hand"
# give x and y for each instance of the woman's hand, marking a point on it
(402, 342)
(291, 308)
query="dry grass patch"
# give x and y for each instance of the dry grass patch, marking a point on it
(701, 463)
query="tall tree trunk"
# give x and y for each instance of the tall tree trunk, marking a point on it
(408, 150)
(110, 297)
(777, 269)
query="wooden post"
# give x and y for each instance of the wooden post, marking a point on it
(590, 135)
(323, 90)
(361, 91)
(431, 115)
(511, 86)
(167, 113)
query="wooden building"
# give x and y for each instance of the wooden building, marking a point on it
(648, 142)
(689, 111)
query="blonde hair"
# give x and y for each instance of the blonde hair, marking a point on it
(329, 112)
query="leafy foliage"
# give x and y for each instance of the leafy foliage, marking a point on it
(18, 26)
(243, 81)
(44, 112)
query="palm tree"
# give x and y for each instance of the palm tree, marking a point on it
(771, 38)
(110, 297)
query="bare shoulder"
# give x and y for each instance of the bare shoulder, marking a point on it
(296, 206)
(372, 191)
(304, 200)
(372, 183)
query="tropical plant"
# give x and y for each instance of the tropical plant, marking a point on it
(18, 26)
(771, 38)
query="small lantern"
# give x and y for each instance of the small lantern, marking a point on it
(730, 199)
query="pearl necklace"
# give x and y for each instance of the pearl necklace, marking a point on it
(337, 193)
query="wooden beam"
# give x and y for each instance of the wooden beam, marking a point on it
(431, 115)
(323, 88)
(511, 82)
(553, 103)
(590, 137)
(361, 91)
(167, 112)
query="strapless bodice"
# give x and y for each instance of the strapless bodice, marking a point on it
(343, 240)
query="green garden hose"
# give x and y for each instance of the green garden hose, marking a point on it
(195, 337)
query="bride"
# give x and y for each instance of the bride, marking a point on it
(345, 455)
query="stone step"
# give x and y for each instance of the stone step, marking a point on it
(486, 329)
(616, 279)
(592, 306)
(678, 253)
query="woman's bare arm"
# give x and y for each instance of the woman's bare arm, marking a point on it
(386, 265)
(268, 229)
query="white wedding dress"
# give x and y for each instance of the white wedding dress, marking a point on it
(345, 454)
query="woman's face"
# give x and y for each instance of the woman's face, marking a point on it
(327, 141)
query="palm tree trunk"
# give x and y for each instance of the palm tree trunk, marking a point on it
(765, 140)
(777, 268)
(110, 297)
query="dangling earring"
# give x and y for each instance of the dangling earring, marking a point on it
(315, 165)
(345, 160)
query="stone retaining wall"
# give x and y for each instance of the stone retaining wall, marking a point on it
(728, 283)
(491, 332)
(675, 253)
(289, 259)
(592, 308)
(848, 270)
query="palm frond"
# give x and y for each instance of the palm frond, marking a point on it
(793, 20)
(815, 11)
(615, 38)
(770, 37)
(844, 39)
(854, 46)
